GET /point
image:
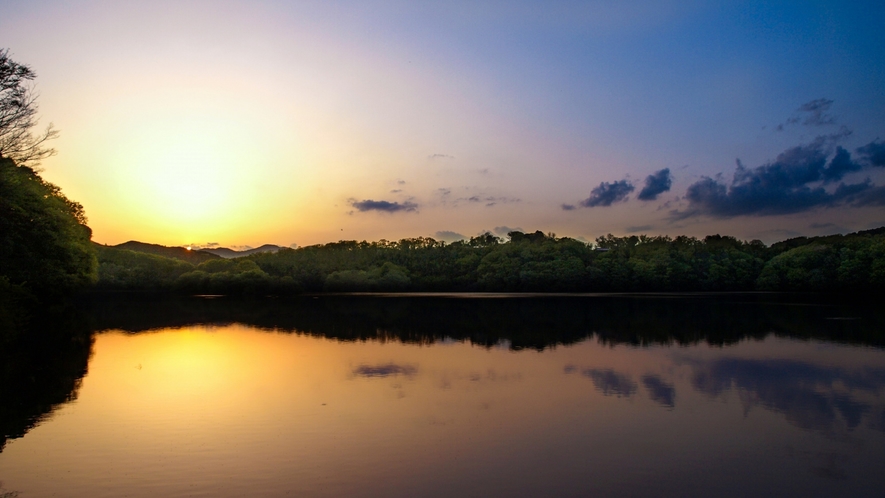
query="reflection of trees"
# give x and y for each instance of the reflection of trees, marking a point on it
(41, 371)
(523, 322)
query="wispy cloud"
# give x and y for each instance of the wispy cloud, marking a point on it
(433, 157)
(383, 206)
(813, 113)
(488, 200)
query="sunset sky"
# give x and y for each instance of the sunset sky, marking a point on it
(286, 122)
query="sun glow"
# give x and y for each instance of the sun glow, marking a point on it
(188, 178)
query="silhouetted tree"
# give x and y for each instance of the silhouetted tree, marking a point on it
(18, 115)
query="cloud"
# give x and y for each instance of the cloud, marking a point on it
(655, 184)
(491, 200)
(504, 230)
(640, 228)
(568, 207)
(659, 391)
(448, 236)
(873, 153)
(870, 196)
(607, 194)
(383, 206)
(385, 370)
(840, 165)
(207, 245)
(813, 113)
(794, 182)
(439, 156)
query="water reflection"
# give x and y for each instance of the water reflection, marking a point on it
(659, 391)
(607, 381)
(810, 396)
(519, 322)
(41, 371)
(331, 396)
(387, 370)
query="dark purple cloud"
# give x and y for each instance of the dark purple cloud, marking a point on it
(383, 206)
(607, 194)
(655, 185)
(873, 153)
(794, 182)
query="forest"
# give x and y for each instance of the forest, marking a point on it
(523, 262)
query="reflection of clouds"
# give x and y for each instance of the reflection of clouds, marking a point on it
(607, 380)
(385, 370)
(659, 391)
(810, 396)
(475, 378)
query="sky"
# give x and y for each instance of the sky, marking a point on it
(303, 122)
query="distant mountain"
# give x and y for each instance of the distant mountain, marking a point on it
(193, 257)
(224, 252)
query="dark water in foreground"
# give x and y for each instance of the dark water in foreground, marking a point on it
(454, 395)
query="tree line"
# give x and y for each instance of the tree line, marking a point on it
(523, 262)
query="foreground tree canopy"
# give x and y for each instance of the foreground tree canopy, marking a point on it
(45, 247)
(527, 262)
(45, 244)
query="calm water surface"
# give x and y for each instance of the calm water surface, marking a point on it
(458, 396)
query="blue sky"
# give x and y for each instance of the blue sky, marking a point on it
(306, 122)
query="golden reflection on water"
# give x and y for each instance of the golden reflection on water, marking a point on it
(234, 411)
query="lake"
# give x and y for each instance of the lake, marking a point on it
(451, 395)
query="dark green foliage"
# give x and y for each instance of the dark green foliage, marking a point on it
(124, 269)
(193, 257)
(388, 277)
(534, 262)
(44, 241)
